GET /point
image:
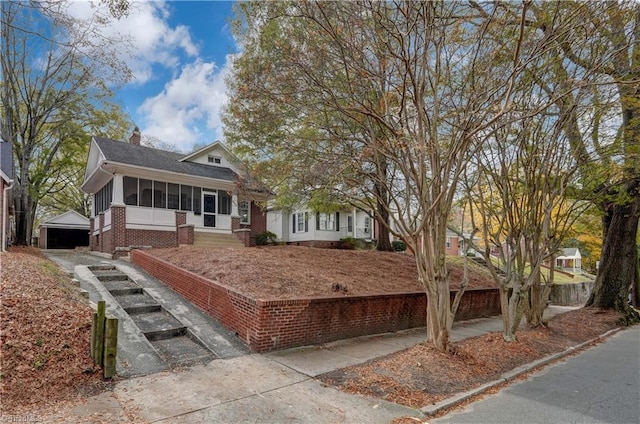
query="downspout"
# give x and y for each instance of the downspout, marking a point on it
(5, 216)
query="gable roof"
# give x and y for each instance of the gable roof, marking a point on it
(147, 157)
(69, 219)
(570, 252)
(6, 160)
(206, 149)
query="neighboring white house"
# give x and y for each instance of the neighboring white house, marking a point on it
(569, 259)
(318, 229)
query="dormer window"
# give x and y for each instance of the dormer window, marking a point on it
(215, 159)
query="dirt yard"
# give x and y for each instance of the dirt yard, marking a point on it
(44, 343)
(421, 376)
(285, 272)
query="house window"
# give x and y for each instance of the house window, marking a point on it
(350, 224)
(186, 195)
(300, 222)
(102, 199)
(173, 196)
(215, 159)
(130, 189)
(224, 203)
(196, 199)
(159, 194)
(326, 221)
(367, 225)
(145, 192)
(244, 211)
(448, 242)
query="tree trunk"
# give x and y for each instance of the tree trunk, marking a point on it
(538, 301)
(618, 261)
(383, 243)
(22, 207)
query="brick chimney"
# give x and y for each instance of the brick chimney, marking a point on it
(135, 136)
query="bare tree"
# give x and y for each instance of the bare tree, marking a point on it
(399, 91)
(55, 70)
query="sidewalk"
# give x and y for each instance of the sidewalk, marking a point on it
(272, 388)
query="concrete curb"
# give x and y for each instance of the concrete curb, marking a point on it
(457, 399)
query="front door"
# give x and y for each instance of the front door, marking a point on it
(209, 201)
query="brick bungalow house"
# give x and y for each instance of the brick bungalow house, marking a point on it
(6, 184)
(148, 197)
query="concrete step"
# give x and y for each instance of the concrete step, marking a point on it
(216, 240)
(182, 350)
(110, 275)
(137, 303)
(158, 325)
(122, 287)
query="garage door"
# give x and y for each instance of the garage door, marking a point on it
(64, 238)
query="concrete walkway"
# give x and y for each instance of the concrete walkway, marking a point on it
(276, 387)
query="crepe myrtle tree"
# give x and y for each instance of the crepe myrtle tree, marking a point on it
(396, 92)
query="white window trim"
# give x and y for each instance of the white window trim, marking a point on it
(328, 221)
(248, 208)
(216, 160)
(448, 242)
(367, 224)
(300, 222)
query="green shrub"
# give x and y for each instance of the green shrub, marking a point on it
(265, 238)
(348, 243)
(398, 246)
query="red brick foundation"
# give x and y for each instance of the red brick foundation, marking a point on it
(279, 324)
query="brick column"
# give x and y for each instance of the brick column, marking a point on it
(101, 229)
(118, 227)
(181, 219)
(92, 223)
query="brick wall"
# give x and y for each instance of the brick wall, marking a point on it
(149, 238)
(258, 225)
(92, 239)
(455, 246)
(185, 234)
(322, 244)
(279, 324)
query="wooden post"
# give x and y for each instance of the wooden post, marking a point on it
(99, 345)
(94, 329)
(110, 347)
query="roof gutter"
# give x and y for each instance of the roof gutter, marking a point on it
(5, 215)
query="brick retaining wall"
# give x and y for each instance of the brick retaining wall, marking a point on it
(280, 324)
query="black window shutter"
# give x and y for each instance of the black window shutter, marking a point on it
(318, 221)
(337, 221)
(306, 222)
(293, 215)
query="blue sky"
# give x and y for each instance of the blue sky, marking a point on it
(180, 52)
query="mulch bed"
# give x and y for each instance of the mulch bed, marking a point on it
(289, 272)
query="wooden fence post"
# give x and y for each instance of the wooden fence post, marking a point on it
(110, 347)
(99, 345)
(94, 329)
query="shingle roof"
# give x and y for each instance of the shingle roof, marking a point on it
(6, 159)
(570, 251)
(132, 154)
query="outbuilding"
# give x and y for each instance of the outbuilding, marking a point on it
(66, 231)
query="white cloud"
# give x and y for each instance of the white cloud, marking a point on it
(152, 40)
(188, 106)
